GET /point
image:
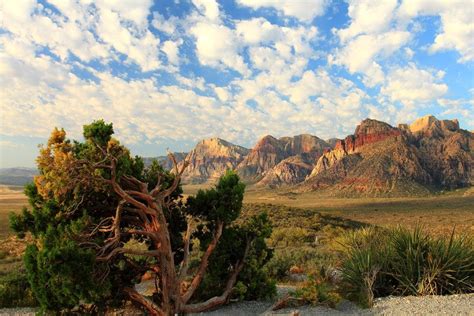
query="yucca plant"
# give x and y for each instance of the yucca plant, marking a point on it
(427, 266)
(364, 261)
(410, 252)
(402, 262)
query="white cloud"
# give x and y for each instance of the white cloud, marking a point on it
(258, 30)
(89, 31)
(361, 53)
(459, 108)
(171, 49)
(167, 26)
(217, 46)
(411, 85)
(305, 11)
(222, 94)
(209, 8)
(457, 24)
(368, 17)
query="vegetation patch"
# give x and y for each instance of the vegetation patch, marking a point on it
(399, 261)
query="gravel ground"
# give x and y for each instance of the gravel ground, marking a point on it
(410, 305)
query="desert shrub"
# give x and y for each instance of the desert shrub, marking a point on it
(426, 266)
(363, 265)
(290, 236)
(401, 262)
(100, 221)
(319, 290)
(279, 265)
(15, 290)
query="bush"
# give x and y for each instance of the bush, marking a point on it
(400, 262)
(15, 291)
(319, 290)
(425, 266)
(364, 259)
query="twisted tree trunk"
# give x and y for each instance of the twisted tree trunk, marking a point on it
(147, 208)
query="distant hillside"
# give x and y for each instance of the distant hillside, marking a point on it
(17, 176)
(377, 160)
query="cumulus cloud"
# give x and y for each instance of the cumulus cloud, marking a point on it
(89, 31)
(457, 26)
(368, 17)
(411, 84)
(131, 66)
(360, 54)
(305, 11)
(217, 45)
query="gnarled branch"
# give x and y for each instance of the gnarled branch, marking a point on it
(204, 262)
(224, 297)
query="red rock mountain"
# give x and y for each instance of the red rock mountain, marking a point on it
(383, 160)
(269, 152)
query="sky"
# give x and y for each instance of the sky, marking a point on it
(170, 73)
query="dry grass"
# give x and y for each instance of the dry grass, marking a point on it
(12, 199)
(438, 214)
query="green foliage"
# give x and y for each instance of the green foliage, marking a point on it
(72, 198)
(253, 281)
(431, 266)
(61, 272)
(402, 262)
(15, 291)
(98, 132)
(222, 203)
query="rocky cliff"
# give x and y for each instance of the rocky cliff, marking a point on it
(210, 159)
(270, 152)
(383, 160)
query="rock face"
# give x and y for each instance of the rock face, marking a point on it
(265, 155)
(383, 160)
(270, 152)
(289, 171)
(447, 151)
(210, 159)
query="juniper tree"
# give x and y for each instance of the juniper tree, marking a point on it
(93, 201)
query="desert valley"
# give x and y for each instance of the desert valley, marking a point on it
(317, 191)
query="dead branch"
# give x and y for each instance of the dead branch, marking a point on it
(152, 308)
(204, 262)
(183, 269)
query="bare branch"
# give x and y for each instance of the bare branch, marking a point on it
(152, 308)
(224, 297)
(161, 194)
(183, 269)
(204, 262)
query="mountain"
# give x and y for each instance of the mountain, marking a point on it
(379, 159)
(210, 159)
(17, 176)
(270, 151)
(165, 161)
(289, 171)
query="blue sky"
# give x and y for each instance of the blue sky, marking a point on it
(169, 73)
